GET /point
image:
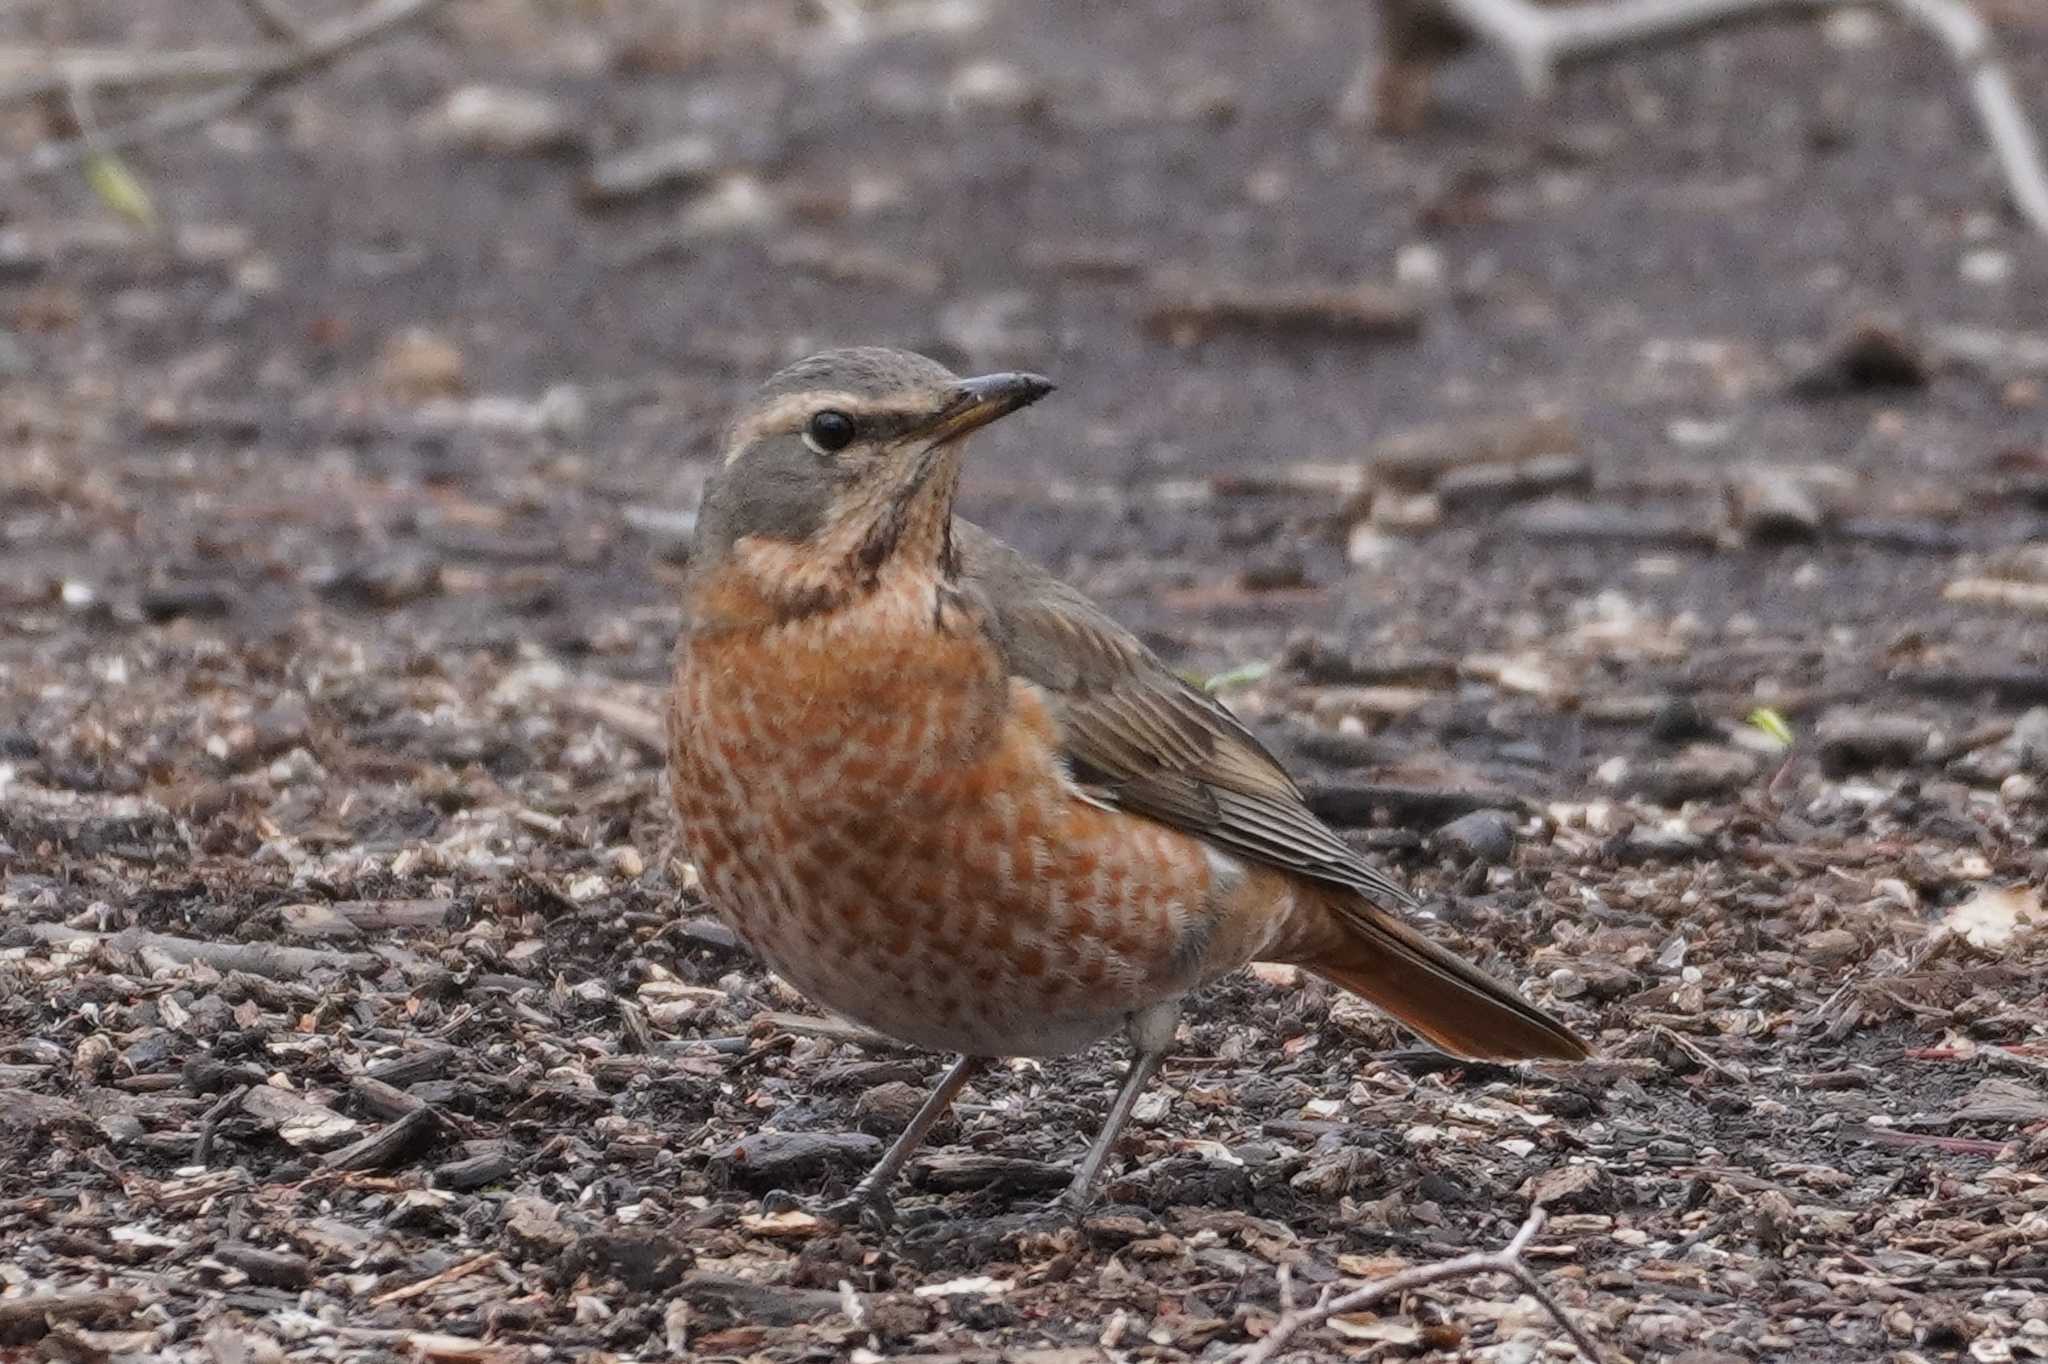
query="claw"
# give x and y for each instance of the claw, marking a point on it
(869, 1209)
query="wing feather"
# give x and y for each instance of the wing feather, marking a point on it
(1140, 738)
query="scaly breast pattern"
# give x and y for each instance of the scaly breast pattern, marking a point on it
(875, 808)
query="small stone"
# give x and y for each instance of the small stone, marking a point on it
(1420, 265)
(670, 164)
(1407, 511)
(1830, 946)
(1681, 719)
(1331, 1176)
(737, 204)
(2030, 741)
(887, 1108)
(271, 1268)
(503, 120)
(392, 580)
(768, 1158)
(183, 600)
(1570, 1188)
(1987, 266)
(418, 363)
(1653, 844)
(1771, 507)
(1857, 743)
(535, 1228)
(1872, 356)
(996, 86)
(1275, 570)
(1488, 835)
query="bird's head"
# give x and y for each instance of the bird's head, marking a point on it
(844, 464)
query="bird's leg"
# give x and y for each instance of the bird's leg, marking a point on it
(1151, 1034)
(869, 1201)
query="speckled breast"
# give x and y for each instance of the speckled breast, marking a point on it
(875, 808)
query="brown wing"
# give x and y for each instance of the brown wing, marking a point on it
(1140, 738)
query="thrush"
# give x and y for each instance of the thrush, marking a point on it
(944, 795)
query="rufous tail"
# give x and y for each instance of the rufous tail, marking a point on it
(1450, 1003)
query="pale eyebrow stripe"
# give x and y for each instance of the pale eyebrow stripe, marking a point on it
(791, 410)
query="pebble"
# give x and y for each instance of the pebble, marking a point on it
(1680, 719)
(651, 168)
(391, 580)
(1830, 946)
(1772, 507)
(773, 1157)
(1987, 266)
(1858, 743)
(1488, 835)
(2030, 741)
(887, 1108)
(996, 86)
(183, 600)
(419, 363)
(502, 119)
(737, 204)
(1872, 356)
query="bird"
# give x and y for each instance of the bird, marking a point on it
(945, 796)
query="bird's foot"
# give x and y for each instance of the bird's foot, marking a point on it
(867, 1209)
(871, 1210)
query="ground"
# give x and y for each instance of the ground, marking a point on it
(355, 1000)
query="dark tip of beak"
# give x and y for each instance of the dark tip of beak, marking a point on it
(977, 402)
(1009, 391)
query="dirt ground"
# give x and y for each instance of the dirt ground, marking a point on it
(355, 1000)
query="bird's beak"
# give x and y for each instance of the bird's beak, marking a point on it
(974, 403)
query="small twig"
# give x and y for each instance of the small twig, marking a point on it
(636, 724)
(459, 1270)
(1693, 1050)
(1507, 1260)
(1539, 41)
(282, 65)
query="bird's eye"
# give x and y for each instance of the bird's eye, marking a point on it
(829, 432)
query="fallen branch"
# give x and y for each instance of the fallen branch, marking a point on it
(1507, 1260)
(1539, 41)
(238, 78)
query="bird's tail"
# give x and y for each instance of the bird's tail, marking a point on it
(1449, 1002)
